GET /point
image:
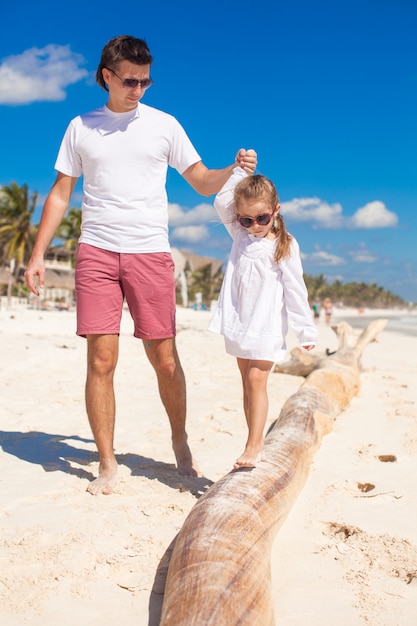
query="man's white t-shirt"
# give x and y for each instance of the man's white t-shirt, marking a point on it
(124, 158)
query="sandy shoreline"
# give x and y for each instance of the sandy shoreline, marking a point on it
(67, 557)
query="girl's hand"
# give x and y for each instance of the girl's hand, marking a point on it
(310, 347)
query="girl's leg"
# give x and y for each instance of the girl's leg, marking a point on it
(255, 402)
(243, 368)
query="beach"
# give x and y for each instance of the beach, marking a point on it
(346, 554)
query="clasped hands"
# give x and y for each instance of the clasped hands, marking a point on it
(247, 160)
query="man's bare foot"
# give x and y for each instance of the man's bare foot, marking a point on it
(186, 464)
(104, 484)
(250, 458)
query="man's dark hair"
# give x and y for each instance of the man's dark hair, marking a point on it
(122, 48)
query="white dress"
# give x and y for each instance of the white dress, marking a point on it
(259, 298)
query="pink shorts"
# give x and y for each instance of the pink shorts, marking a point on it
(103, 279)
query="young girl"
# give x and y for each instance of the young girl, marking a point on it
(262, 293)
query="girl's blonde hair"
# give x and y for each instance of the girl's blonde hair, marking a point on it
(258, 187)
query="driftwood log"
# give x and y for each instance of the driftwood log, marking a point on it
(219, 572)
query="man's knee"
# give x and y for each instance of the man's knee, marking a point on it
(163, 356)
(102, 357)
(168, 366)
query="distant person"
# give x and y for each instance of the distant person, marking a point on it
(263, 293)
(328, 310)
(316, 309)
(123, 150)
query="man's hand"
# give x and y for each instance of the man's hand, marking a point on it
(35, 276)
(247, 160)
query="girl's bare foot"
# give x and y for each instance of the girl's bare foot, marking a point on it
(250, 458)
(104, 484)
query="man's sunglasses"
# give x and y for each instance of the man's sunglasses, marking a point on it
(132, 83)
(263, 220)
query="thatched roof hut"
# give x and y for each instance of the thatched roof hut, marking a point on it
(55, 279)
(5, 276)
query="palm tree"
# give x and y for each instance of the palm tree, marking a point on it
(70, 229)
(17, 234)
(316, 286)
(203, 282)
(351, 294)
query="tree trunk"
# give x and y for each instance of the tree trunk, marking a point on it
(11, 283)
(219, 573)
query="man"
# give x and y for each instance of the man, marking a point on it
(123, 150)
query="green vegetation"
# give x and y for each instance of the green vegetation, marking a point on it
(351, 294)
(17, 233)
(70, 230)
(202, 281)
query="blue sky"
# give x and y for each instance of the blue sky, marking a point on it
(325, 91)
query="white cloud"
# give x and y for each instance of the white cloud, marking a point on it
(202, 213)
(362, 255)
(313, 210)
(324, 215)
(39, 74)
(321, 258)
(374, 215)
(190, 234)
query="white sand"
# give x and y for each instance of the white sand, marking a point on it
(343, 556)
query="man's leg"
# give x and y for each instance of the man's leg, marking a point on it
(163, 356)
(101, 407)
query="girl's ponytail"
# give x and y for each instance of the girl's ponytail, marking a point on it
(282, 247)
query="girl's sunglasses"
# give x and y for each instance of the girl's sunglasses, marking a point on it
(262, 220)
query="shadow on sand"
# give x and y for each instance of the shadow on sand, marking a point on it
(60, 453)
(158, 588)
